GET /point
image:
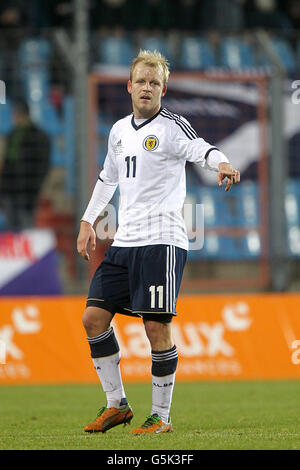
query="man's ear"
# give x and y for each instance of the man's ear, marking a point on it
(129, 87)
(164, 91)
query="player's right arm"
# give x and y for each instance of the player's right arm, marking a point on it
(102, 194)
(86, 235)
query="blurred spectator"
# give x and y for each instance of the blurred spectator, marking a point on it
(223, 15)
(292, 8)
(133, 14)
(11, 14)
(32, 15)
(188, 15)
(62, 13)
(113, 13)
(23, 167)
(265, 14)
(11, 34)
(156, 14)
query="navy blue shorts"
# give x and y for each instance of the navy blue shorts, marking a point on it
(139, 281)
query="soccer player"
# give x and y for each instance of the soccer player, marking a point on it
(142, 269)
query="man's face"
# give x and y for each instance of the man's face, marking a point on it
(146, 89)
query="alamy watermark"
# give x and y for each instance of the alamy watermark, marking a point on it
(296, 353)
(296, 94)
(2, 352)
(2, 92)
(159, 222)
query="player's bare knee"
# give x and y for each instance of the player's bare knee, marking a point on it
(88, 319)
(159, 335)
(95, 320)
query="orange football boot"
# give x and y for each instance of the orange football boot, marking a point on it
(108, 418)
(153, 425)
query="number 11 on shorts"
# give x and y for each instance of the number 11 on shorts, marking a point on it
(160, 291)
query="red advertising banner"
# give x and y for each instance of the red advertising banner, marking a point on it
(218, 337)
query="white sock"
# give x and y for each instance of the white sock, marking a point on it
(162, 390)
(108, 370)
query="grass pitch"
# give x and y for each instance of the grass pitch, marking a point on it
(205, 415)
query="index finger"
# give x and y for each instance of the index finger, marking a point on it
(85, 255)
(229, 184)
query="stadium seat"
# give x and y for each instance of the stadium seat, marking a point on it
(116, 51)
(238, 209)
(250, 204)
(250, 245)
(242, 205)
(159, 44)
(196, 54)
(34, 55)
(45, 115)
(35, 51)
(36, 84)
(236, 54)
(209, 198)
(292, 211)
(3, 222)
(285, 53)
(6, 122)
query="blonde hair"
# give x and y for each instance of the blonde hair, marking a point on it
(152, 59)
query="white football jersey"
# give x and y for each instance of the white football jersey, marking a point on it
(147, 161)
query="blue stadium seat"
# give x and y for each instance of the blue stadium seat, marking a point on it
(196, 54)
(36, 84)
(292, 202)
(294, 241)
(116, 51)
(237, 209)
(285, 53)
(228, 248)
(6, 121)
(236, 54)
(250, 246)
(292, 211)
(240, 207)
(35, 51)
(45, 116)
(250, 203)
(208, 196)
(34, 55)
(159, 44)
(3, 222)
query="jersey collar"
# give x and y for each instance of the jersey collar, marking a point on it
(145, 122)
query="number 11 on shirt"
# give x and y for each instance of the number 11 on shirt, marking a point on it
(127, 160)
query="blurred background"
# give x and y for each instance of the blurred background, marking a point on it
(235, 75)
(234, 70)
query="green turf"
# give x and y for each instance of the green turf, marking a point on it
(226, 415)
